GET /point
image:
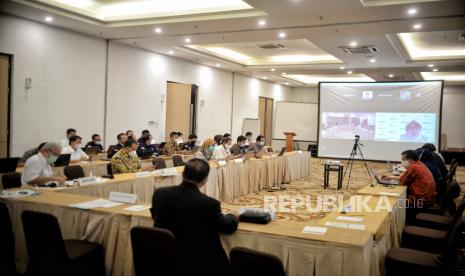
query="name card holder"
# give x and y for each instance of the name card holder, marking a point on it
(238, 160)
(84, 181)
(142, 174)
(123, 197)
(222, 163)
(299, 151)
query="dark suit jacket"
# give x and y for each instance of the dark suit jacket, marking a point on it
(196, 221)
(236, 149)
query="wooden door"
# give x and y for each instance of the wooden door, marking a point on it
(265, 114)
(261, 115)
(4, 104)
(178, 108)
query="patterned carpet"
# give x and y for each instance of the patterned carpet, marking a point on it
(313, 186)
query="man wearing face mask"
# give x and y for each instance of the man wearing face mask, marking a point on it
(126, 160)
(171, 147)
(222, 152)
(191, 143)
(131, 135)
(96, 142)
(74, 148)
(180, 138)
(257, 146)
(37, 169)
(146, 145)
(239, 147)
(421, 188)
(249, 141)
(69, 132)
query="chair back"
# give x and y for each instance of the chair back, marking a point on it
(74, 172)
(177, 161)
(11, 180)
(110, 151)
(154, 251)
(159, 163)
(451, 173)
(109, 169)
(452, 192)
(247, 262)
(453, 235)
(7, 241)
(44, 243)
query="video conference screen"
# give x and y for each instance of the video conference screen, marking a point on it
(389, 117)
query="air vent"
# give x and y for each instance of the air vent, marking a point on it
(395, 78)
(361, 50)
(268, 46)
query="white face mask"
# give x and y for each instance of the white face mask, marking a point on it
(405, 164)
(262, 143)
(77, 146)
(227, 146)
(98, 142)
(179, 141)
(133, 154)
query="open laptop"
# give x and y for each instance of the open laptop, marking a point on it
(147, 155)
(283, 150)
(383, 181)
(92, 150)
(63, 160)
(8, 164)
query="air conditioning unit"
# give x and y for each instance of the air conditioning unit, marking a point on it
(361, 50)
(268, 46)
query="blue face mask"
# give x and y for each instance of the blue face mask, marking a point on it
(211, 148)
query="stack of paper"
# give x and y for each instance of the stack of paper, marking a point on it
(98, 203)
(137, 208)
(16, 194)
(314, 230)
(345, 225)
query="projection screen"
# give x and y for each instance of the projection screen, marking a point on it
(389, 117)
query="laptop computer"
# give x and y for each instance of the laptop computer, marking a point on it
(63, 160)
(8, 164)
(283, 150)
(383, 181)
(92, 150)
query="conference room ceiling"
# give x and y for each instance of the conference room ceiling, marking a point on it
(290, 42)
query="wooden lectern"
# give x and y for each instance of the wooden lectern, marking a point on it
(289, 141)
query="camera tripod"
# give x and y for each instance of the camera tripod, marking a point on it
(356, 148)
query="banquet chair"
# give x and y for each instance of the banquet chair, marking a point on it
(247, 262)
(110, 151)
(439, 222)
(109, 169)
(49, 254)
(177, 160)
(405, 261)
(154, 251)
(11, 180)
(74, 172)
(159, 163)
(7, 242)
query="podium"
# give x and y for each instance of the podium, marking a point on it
(289, 141)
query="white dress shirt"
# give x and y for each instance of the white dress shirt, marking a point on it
(35, 166)
(75, 154)
(220, 153)
(64, 143)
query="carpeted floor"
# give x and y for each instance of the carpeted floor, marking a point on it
(313, 186)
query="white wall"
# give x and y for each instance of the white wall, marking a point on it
(453, 112)
(137, 79)
(246, 93)
(68, 77)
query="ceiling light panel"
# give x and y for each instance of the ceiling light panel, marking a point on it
(139, 9)
(433, 45)
(446, 76)
(314, 79)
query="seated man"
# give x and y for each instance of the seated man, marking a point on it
(218, 138)
(222, 152)
(437, 158)
(69, 132)
(249, 136)
(144, 132)
(257, 146)
(29, 153)
(37, 170)
(191, 143)
(130, 134)
(74, 148)
(171, 147)
(421, 188)
(226, 135)
(122, 138)
(239, 147)
(126, 160)
(195, 220)
(145, 146)
(180, 138)
(96, 142)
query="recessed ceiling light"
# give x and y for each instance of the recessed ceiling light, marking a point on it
(158, 30)
(272, 69)
(286, 83)
(430, 65)
(342, 68)
(391, 75)
(282, 34)
(170, 52)
(417, 26)
(435, 70)
(412, 11)
(265, 78)
(262, 22)
(349, 72)
(218, 65)
(48, 18)
(353, 43)
(187, 40)
(283, 73)
(373, 60)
